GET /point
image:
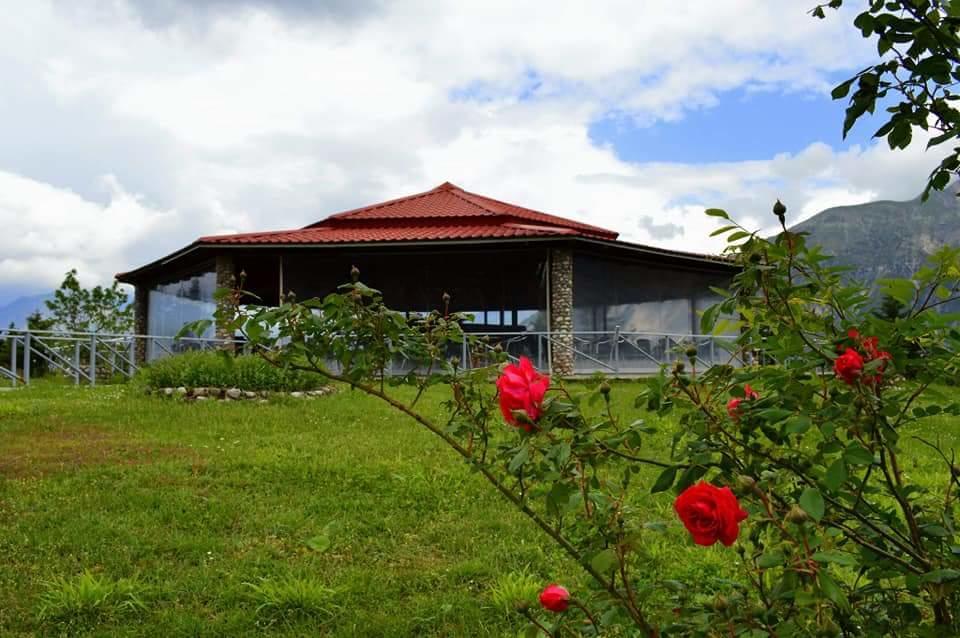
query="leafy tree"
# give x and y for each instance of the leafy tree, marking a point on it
(915, 79)
(97, 309)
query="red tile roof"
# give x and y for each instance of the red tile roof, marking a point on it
(445, 213)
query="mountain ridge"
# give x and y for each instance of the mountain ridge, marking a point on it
(886, 238)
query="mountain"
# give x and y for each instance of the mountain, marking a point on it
(887, 239)
(17, 310)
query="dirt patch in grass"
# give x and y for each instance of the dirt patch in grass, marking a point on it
(39, 454)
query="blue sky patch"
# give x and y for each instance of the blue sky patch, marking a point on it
(741, 125)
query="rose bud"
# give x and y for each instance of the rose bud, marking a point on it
(354, 273)
(691, 352)
(797, 516)
(780, 211)
(555, 598)
(605, 388)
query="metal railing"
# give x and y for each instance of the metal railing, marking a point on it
(89, 357)
(617, 352)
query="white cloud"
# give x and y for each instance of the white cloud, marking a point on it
(241, 118)
(47, 231)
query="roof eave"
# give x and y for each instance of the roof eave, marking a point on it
(133, 276)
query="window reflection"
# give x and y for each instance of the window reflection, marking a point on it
(171, 304)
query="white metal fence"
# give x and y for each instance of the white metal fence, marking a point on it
(88, 357)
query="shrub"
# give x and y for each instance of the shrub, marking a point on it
(797, 472)
(222, 370)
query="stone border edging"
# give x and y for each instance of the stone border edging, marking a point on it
(235, 394)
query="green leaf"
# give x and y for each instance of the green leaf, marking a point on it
(722, 229)
(717, 212)
(770, 559)
(941, 576)
(903, 290)
(836, 475)
(832, 591)
(665, 481)
(604, 561)
(775, 415)
(518, 460)
(690, 476)
(841, 90)
(798, 424)
(319, 543)
(856, 454)
(812, 503)
(834, 556)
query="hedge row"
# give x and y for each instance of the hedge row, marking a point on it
(222, 370)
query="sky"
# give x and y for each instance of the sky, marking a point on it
(128, 128)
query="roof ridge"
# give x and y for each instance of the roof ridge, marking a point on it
(560, 221)
(458, 192)
(389, 202)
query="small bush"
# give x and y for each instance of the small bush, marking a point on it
(290, 598)
(89, 599)
(222, 370)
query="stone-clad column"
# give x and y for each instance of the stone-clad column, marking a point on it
(561, 311)
(226, 278)
(141, 298)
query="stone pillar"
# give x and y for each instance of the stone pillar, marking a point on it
(561, 312)
(141, 298)
(226, 278)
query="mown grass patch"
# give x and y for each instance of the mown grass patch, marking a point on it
(341, 495)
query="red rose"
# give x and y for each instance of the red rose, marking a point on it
(521, 387)
(733, 405)
(848, 366)
(733, 408)
(710, 513)
(884, 356)
(555, 598)
(853, 333)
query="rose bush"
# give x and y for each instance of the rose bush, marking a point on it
(805, 480)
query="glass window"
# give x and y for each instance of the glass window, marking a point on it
(639, 297)
(172, 304)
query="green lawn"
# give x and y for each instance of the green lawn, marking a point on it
(332, 516)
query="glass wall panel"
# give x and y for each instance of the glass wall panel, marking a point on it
(639, 297)
(173, 303)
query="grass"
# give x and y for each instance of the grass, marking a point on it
(90, 599)
(332, 517)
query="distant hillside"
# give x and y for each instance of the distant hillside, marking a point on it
(886, 239)
(19, 309)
